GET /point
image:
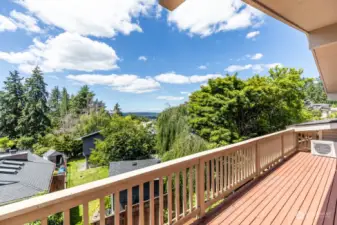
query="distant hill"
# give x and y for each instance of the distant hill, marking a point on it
(150, 115)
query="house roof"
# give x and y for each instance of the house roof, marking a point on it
(52, 152)
(33, 177)
(120, 167)
(88, 135)
(327, 124)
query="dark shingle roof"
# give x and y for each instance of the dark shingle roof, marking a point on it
(88, 135)
(33, 178)
(52, 152)
(120, 167)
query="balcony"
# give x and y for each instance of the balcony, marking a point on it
(272, 178)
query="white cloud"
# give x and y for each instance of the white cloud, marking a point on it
(142, 58)
(213, 16)
(257, 56)
(202, 67)
(252, 34)
(257, 68)
(173, 78)
(25, 22)
(123, 83)
(237, 68)
(185, 93)
(65, 51)
(105, 18)
(6, 24)
(170, 98)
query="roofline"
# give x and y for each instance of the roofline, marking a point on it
(88, 135)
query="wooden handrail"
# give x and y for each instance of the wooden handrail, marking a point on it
(227, 167)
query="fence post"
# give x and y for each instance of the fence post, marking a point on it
(257, 160)
(200, 191)
(282, 145)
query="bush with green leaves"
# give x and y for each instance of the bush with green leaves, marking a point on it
(25, 142)
(6, 143)
(124, 139)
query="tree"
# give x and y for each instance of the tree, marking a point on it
(229, 109)
(82, 101)
(54, 105)
(65, 102)
(124, 139)
(94, 121)
(11, 105)
(117, 110)
(34, 119)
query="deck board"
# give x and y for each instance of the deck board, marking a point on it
(301, 191)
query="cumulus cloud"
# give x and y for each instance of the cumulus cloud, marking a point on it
(65, 51)
(257, 56)
(105, 18)
(25, 22)
(6, 24)
(257, 68)
(142, 58)
(123, 83)
(185, 93)
(252, 34)
(170, 98)
(238, 68)
(202, 67)
(173, 78)
(213, 16)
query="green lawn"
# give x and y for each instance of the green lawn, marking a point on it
(76, 177)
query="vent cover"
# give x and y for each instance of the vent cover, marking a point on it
(11, 162)
(323, 148)
(8, 171)
(10, 166)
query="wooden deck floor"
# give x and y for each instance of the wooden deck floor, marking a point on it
(301, 191)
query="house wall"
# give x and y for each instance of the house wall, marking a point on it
(329, 135)
(89, 143)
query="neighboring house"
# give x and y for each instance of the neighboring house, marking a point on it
(23, 175)
(89, 144)
(54, 156)
(117, 168)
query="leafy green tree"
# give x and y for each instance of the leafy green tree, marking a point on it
(314, 91)
(117, 110)
(65, 102)
(34, 119)
(25, 142)
(124, 139)
(229, 109)
(11, 105)
(82, 101)
(6, 143)
(94, 121)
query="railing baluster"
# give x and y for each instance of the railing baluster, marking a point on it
(200, 183)
(102, 211)
(169, 201)
(184, 193)
(221, 174)
(129, 206)
(225, 173)
(117, 208)
(66, 219)
(208, 181)
(190, 188)
(177, 195)
(217, 176)
(141, 204)
(161, 201)
(152, 215)
(85, 213)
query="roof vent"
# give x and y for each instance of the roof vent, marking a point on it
(134, 163)
(8, 171)
(11, 162)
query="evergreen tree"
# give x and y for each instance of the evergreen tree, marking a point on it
(82, 101)
(34, 120)
(65, 102)
(54, 102)
(117, 110)
(11, 105)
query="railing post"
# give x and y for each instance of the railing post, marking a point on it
(200, 190)
(257, 160)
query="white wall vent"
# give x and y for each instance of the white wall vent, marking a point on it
(323, 148)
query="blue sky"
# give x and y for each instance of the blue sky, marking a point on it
(137, 54)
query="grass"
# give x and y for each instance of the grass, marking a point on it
(76, 177)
